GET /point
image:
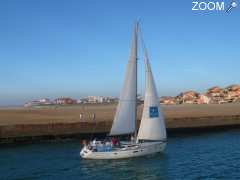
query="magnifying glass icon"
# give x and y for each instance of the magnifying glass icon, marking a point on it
(231, 6)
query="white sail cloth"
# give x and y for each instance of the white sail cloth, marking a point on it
(125, 117)
(152, 125)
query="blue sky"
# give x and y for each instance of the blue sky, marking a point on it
(77, 48)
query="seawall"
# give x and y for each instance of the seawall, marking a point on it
(63, 121)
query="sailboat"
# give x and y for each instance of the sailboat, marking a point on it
(151, 136)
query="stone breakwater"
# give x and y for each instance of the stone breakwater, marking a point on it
(64, 121)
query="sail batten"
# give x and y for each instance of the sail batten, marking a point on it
(125, 117)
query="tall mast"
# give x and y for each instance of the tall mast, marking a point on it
(136, 35)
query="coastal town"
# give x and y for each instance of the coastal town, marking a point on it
(70, 101)
(214, 95)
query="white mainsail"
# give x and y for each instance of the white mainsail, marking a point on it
(125, 117)
(152, 125)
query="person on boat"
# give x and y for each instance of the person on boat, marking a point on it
(108, 146)
(94, 142)
(114, 141)
(84, 142)
(118, 143)
(100, 147)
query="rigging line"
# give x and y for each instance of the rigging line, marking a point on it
(142, 40)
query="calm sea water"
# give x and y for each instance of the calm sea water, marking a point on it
(190, 156)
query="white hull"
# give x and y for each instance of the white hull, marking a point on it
(127, 151)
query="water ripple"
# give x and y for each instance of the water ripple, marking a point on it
(201, 156)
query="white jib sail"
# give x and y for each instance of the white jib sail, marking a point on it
(152, 125)
(124, 120)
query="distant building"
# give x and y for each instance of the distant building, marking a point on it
(203, 99)
(215, 92)
(100, 99)
(95, 99)
(44, 101)
(79, 101)
(214, 89)
(232, 93)
(65, 100)
(168, 100)
(214, 95)
(189, 97)
(234, 87)
(28, 104)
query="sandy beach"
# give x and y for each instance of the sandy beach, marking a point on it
(63, 120)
